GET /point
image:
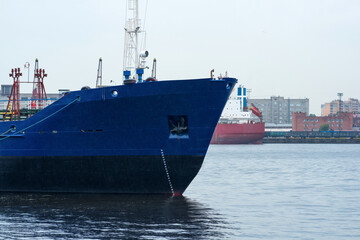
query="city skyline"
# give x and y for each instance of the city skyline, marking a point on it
(296, 49)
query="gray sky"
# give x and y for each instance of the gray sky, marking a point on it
(303, 48)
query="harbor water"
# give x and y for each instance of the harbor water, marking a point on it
(269, 191)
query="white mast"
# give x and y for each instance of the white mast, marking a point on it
(134, 63)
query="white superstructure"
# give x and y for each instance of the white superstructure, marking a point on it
(236, 108)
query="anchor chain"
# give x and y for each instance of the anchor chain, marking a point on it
(167, 172)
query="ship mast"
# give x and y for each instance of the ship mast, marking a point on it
(134, 60)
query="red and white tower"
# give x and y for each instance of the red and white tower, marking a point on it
(13, 107)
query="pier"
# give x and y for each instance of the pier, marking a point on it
(313, 137)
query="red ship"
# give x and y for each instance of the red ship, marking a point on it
(238, 133)
(239, 124)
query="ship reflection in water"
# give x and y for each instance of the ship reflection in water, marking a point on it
(106, 216)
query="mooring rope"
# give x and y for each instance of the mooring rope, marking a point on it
(167, 172)
(30, 126)
(6, 131)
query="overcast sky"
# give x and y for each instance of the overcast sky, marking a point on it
(290, 48)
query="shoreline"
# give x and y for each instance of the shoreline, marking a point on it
(311, 140)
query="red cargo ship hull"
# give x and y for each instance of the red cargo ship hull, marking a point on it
(238, 133)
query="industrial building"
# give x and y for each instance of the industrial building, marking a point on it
(343, 121)
(25, 98)
(278, 110)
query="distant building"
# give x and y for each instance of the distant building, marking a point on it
(271, 127)
(5, 90)
(351, 105)
(25, 98)
(340, 122)
(278, 110)
(356, 121)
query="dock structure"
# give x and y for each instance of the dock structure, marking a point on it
(312, 137)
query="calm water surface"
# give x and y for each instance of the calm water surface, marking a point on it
(270, 191)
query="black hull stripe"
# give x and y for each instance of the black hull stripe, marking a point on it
(98, 174)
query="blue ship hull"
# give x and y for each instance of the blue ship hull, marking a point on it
(139, 138)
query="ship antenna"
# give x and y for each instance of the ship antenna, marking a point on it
(134, 60)
(99, 75)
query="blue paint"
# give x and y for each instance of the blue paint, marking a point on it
(100, 126)
(239, 91)
(127, 74)
(140, 72)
